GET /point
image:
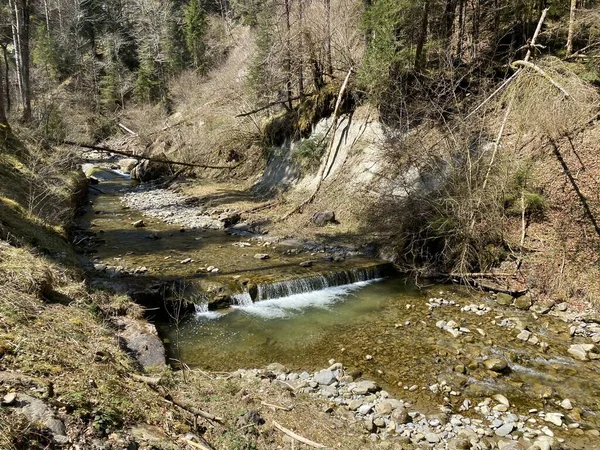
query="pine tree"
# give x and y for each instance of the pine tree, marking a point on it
(195, 30)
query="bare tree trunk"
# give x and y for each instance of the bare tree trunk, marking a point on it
(24, 40)
(448, 23)
(20, 28)
(288, 55)
(422, 37)
(461, 28)
(329, 59)
(571, 27)
(15, 27)
(3, 121)
(47, 12)
(301, 49)
(6, 79)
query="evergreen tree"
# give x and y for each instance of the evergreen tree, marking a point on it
(195, 30)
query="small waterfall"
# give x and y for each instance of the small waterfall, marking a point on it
(201, 308)
(242, 299)
(316, 283)
(202, 311)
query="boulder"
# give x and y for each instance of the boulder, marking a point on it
(141, 339)
(523, 302)
(149, 170)
(495, 364)
(504, 299)
(127, 164)
(261, 256)
(325, 377)
(580, 351)
(363, 387)
(321, 219)
(36, 411)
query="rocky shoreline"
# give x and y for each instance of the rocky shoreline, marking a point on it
(489, 424)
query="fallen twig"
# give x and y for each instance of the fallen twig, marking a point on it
(152, 381)
(297, 437)
(283, 408)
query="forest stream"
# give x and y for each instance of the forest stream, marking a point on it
(426, 344)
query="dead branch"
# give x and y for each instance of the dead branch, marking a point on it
(193, 410)
(152, 381)
(128, 130)
(297, 437)
(266, 205)
(283, 408)
(149, 158)
(270, 105)
(539, 70)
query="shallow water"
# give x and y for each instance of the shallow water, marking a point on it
(374, 318)
(388, 320)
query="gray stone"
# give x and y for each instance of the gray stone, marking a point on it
(523, 302)
(554, 418)
(325, 377)
(566, 404)
(35, 410)
(562, 306)
(505, 429)
(138, 224)
(580, 351)
(355, 404)
(400, 416)
(524, 335)
(501, 399)
(276, 368)
(379, 422)
(363, 387)
(9, 398)
(504, 299)
(261, 256)
(141, 339)
(321, 219)
(495, 364)
(383, 407)
(432, 438)
(365, 409)
(306, 264)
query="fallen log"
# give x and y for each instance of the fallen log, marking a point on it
(149, 158)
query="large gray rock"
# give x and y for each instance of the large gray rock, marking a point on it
(149, 170)
(325, 377)
(141, 339)
(363, 387)
(321, 219)
(35, 410)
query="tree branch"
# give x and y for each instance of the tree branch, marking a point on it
(149, 158)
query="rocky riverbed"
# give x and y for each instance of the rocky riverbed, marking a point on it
(491, 368)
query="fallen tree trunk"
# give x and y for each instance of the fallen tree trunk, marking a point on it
(149, 158)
